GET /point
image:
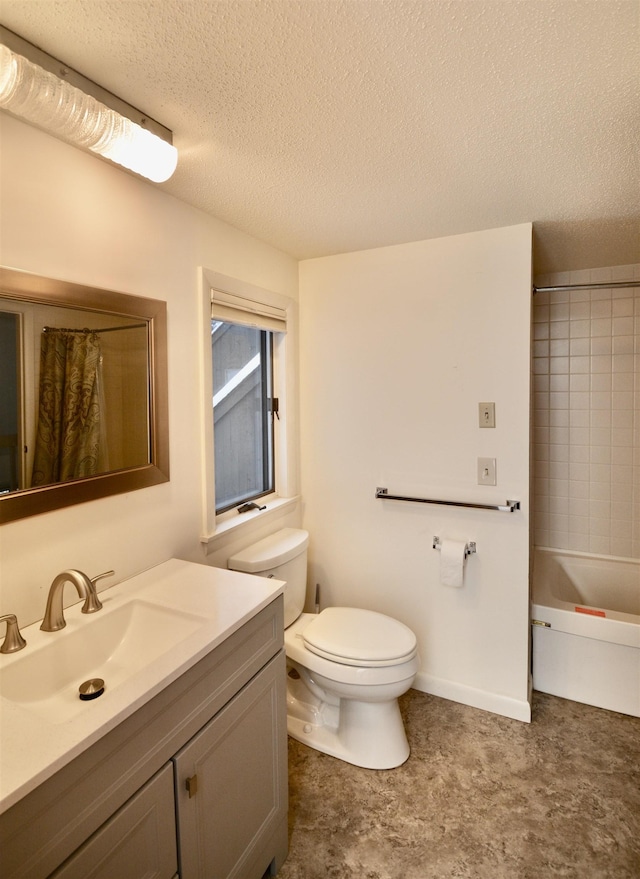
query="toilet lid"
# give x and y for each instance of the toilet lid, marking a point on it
(353, 636)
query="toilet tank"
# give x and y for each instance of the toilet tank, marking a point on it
(282, 555)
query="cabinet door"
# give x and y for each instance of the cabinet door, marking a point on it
(139, 842)
(231, 785)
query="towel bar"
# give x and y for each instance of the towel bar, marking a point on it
(508, 507)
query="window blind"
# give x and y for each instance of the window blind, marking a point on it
(231, 308)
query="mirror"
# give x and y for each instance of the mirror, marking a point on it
(111, 434)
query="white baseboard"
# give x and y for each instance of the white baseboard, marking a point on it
(517, 709)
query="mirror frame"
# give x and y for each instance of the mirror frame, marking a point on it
(19, 285)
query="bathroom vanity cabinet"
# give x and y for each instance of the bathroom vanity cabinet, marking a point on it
(192, 785)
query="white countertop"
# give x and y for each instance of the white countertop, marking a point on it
(34, 747)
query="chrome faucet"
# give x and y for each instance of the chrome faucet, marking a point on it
(13, 640)
(86, 586)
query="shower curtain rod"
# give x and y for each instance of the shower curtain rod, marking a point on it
(607, 285)
(86, 330)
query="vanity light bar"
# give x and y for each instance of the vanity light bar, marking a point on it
(41, 90)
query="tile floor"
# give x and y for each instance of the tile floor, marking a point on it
(480, 796)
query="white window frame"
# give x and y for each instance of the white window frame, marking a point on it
(217, 528)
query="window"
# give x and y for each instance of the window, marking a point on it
(249, 415)
(243, 411)
(10, 411)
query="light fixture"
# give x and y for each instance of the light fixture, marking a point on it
(36, 87)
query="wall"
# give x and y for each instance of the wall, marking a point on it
(68, 215)
(125, 391)
(587, 414)
(398, 346)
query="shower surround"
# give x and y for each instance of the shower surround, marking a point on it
(586, 414)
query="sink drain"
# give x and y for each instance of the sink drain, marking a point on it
(91, 689)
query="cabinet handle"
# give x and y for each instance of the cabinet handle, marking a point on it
(192, 785)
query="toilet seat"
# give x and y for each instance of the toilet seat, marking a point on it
(353, 636)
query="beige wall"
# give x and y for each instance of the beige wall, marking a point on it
(68, 215)
(398, 346)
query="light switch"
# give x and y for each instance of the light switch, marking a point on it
(486, 414)
(486, 471)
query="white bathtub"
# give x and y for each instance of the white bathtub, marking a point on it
(586, 628)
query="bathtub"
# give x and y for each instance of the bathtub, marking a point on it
(586, 628)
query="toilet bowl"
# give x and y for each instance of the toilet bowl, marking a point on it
(346, 667)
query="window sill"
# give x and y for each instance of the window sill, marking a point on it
(244, 523)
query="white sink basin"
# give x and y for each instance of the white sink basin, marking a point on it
(113, 645)
(152, 629)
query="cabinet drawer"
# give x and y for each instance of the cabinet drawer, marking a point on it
(138, 842)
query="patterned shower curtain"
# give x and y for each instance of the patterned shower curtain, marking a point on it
(69, 415)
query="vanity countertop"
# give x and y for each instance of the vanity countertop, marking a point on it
(34, 744)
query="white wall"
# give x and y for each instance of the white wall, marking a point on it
(68, 215)
(586, 365)
(398, 346)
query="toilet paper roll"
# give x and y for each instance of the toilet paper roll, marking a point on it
(452, 562)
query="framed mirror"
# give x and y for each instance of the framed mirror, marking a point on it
(83, 394)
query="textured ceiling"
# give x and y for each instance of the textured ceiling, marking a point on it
(326, 126)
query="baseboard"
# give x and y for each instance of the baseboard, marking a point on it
(517, 709)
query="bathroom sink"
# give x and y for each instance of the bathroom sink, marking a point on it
(113, 644)
(152, 629)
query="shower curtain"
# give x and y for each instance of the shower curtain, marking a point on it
(68, 435)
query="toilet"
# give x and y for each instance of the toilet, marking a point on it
(346, 667)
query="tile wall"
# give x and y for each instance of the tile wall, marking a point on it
(586, 383)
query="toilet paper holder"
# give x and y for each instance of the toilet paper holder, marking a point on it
(469, 548)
